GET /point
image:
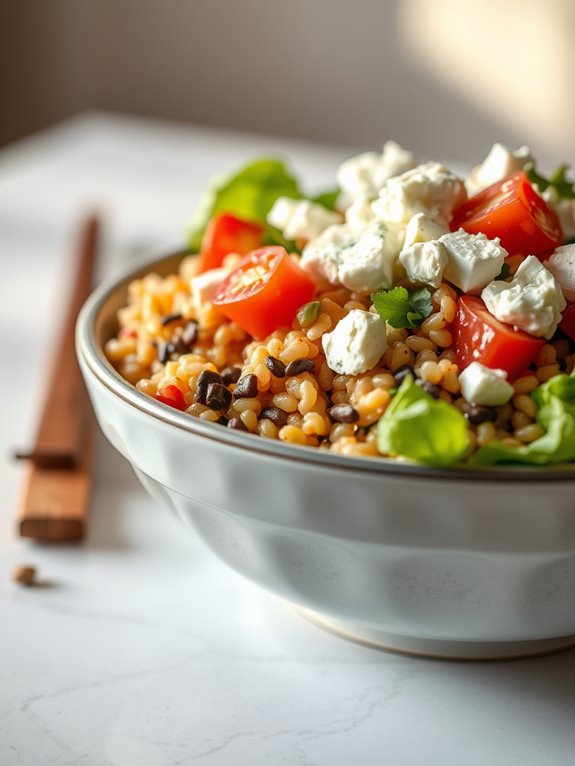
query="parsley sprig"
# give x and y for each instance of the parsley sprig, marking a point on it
(401, 307)
(563, 187)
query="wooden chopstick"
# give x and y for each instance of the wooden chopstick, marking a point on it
(57, 484)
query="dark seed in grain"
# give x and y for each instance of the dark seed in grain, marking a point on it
(190, 333)
(222, 420)
(275, 366)
(237, 424)
(430, 388)
(477, 414)
(218, 397)
(230, 375)
(246, 387)
(278, 417)
(401, 373)
(343, 413)
(206, 378)
(170, 318)
(298, 366)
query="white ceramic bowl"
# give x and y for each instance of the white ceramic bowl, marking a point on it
(439, 562)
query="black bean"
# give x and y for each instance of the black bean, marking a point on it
(343, 413)
(230, 375)
(170, 318)
(401, 373)
(237, 424)
(218, 397)
(222, 420)
(246, 387)
(206, 377)
(277, 416)
(190, 333)
(275, 366)
(477, 414)
(165, 351)
(430, 388)
(298, 366)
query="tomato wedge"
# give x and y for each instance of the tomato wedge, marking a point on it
(513, 211)
(480, 337)
(264, 291)
(567, 323)
(173, 396)
(225, 234)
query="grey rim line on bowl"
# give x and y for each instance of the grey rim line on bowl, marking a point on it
(88, 345)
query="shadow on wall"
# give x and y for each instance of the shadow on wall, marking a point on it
(329, 70)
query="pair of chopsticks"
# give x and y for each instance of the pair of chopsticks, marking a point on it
(57, 483)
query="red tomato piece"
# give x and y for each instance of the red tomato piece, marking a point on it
(513, 211)
(225, 234)
(480, 337)
(264, 292)
(173, 396)
(567, 323)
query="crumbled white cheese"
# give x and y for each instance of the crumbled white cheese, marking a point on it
(368, 265)
(301, 219)
(422, 228)
(424, 262)
(430, 188)
(356, 344)
(359, 258)
(205, 285)
(484, 386)
(562, 265)
(321, 257)
(565, 209)
(532, 301)
(368, 172)
(360, 213)
(473, 260)
(499, 163)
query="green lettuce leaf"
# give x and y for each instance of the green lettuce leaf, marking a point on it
(250, 193)
(556, 402)
(421, 428)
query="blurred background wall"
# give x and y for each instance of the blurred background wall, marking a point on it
(443, 77)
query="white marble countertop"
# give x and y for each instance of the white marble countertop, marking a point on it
(140, 648)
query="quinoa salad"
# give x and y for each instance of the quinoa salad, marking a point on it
(409, 312)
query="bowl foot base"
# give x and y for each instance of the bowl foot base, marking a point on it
(435, 648)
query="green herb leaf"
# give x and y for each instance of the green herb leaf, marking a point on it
(504, 273)
(250, 193)
(402, 308)
(562, 186)
(327, 198)
(556, 401)
(421, 428)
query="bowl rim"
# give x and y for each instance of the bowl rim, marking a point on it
(89, 350)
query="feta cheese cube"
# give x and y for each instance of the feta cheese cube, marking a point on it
(565, 209)
(422, 228)
(369, 263)
(562, 265)
(368, 172)
(472, 260)
(205, 285)
(499, 163)
(301, 219)
(424, 262)
(484, 386)
(356, 344)
(532, 301)
(360, 213)
(322, 255)
(430, 188)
